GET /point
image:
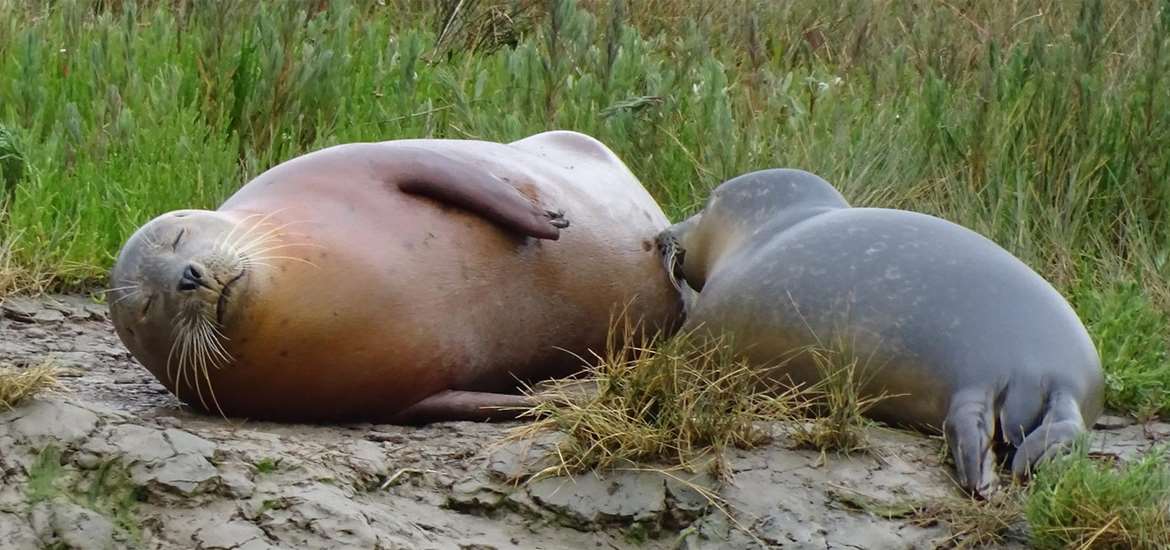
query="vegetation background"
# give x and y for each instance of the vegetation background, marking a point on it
(1043, 124)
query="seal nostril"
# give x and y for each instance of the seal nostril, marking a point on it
(192, 273)
(192, 278)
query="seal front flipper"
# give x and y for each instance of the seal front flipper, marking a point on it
(459, 182)
(464, 405)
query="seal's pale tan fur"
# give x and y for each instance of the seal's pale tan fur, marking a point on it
(365, 279)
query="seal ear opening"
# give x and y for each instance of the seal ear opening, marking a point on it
(458, 182)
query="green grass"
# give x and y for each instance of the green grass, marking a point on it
(267, 465)
(1078, 502)
(1043, 124)
(108, 490)
(1130, 334)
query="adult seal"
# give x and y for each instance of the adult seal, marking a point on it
(966, 338)
(403, 281)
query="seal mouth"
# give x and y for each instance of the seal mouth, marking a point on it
(225, 294)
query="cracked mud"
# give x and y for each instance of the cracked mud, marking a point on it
(114, 461)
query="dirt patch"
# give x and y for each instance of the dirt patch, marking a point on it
(115, 461)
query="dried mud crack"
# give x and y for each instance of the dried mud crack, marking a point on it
(114, 461)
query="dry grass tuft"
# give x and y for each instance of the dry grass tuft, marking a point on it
(9, 273)
(673, 400)
(483, 27)
(974, 522)
(17, 385)
(838, 404)
(20, 277)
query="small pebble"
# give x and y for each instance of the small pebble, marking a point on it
(1110, 422)
(383, 437)
(48, 316)
(87, 461)
(169, 421)
(19, 309)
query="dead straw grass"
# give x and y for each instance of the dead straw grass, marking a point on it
(838, 404)
(18, 384)
(669, 400)
(976, 522)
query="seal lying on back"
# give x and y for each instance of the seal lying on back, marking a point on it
(402, 281)
(977, 344)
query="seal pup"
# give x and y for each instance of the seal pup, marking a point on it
(968, 339)
(403, 281)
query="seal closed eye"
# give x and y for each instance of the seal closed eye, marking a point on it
(976, 344)
(400, 281)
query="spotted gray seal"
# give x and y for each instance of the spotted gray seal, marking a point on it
(967, 338)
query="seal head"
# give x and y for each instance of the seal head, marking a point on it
(173, 286)
(762, 202)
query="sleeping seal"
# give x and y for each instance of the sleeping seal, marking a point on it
(401, 281)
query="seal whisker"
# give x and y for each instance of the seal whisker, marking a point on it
(249, 263)
(223, 243)
(184, 348)
(189, 357)
(266, 234)
(250, 229)
(282, 226)
(167, 367)
(264, 253)
(262, 239)
(211, 390)
(670, 263)
(279, 247)
(235, 245)
(116, 289)
(197, 360)
(215, 347)
(251, 244)
(290, 258)
(208, 340)
(137, 292)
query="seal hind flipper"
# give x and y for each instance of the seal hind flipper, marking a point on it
(456, 181)
(1062, 425)
(970, 430)
(1020, 411)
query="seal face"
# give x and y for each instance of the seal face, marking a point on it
(401, 281)
(971, 341)
(177, 275)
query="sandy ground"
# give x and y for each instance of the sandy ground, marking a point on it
(206, 483)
